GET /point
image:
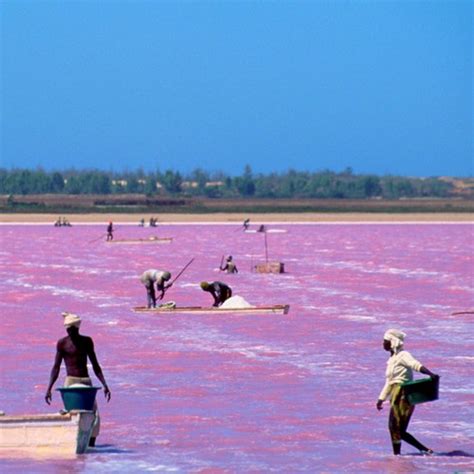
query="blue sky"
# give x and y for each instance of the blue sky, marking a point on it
(382, 87)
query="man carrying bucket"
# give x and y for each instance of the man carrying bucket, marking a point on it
(75, 349)
(400, 366)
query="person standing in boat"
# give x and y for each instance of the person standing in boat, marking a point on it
(151, 277)
(110, 231)
(400, 366)
(229, 266)
(219, 291)
(75, 349)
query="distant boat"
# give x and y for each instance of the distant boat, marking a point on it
(277, 308)
(53, 434)
(269, 231)
(149, 240)
(270, 267)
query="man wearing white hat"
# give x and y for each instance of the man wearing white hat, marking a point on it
(400, 367)
(75, 349)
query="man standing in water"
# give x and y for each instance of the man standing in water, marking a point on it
(230, 266)
(110, 231)
(400, 366)
(75, 349)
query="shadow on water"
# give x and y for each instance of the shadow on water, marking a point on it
(108, 449)
(449, 454)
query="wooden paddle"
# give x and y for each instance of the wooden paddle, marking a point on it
(98, 238)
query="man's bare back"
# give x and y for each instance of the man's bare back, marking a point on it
(75, 349)
(75, 353)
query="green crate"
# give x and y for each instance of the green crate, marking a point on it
(421, 391)
(78, 398)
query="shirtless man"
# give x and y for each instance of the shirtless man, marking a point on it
(219, 291)
(75, 349)
(229, 266)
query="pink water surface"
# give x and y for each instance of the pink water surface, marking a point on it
(246, 393)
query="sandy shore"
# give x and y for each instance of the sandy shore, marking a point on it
(239, 218)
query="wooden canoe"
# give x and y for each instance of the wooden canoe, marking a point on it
(67, 434)
(269, 231)
(149, 240)
(277, 309)
(270, 267)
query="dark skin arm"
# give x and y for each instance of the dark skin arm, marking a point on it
(54, 375)
(423, 370)
(75, 350)
(215, 296)
(98, 371)
(163, 288)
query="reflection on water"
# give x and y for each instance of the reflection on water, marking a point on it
(242, 392)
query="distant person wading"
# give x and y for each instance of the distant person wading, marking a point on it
(110, 231)
(229, 266)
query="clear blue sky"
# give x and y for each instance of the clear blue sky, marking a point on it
(382, 87)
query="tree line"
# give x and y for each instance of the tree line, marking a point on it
(200, 183)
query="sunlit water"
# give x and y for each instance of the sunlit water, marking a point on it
(242, 392)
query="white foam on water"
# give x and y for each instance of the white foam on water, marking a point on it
(356, 317)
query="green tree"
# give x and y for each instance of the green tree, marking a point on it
(172, 182)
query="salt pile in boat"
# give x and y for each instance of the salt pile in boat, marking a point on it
(236, 302)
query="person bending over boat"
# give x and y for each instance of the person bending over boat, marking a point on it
(229, 266)
(219, 291)
(149, 278)
(75, 349)
(400, 366)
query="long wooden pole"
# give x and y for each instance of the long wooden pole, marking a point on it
(175, 278)
(98, 238)
(181, 272)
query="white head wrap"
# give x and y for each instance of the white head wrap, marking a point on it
(71, 319)
(396, 339)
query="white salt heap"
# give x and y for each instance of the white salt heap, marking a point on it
(236, 302)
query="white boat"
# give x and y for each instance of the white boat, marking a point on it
(277, 308)
(55, 434)
(149, 240)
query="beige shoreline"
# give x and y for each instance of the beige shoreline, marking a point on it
(240, 217)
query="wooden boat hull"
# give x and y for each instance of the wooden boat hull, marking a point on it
(151, 240)
(54, 433)
(277, 309)
(269, 231)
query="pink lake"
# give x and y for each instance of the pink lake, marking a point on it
(240, 392)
